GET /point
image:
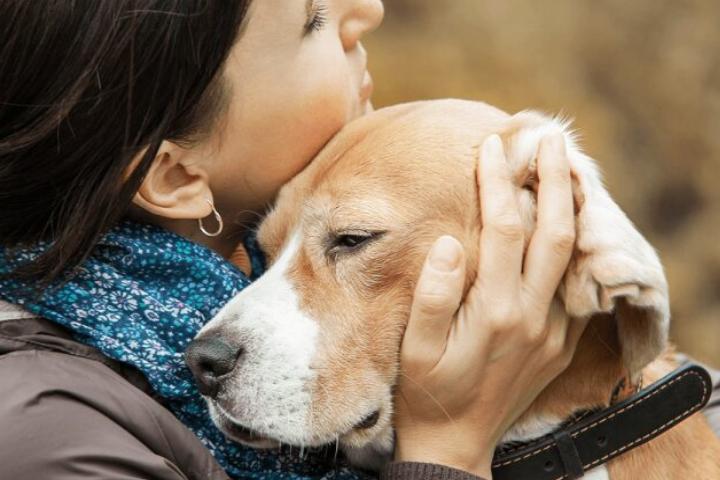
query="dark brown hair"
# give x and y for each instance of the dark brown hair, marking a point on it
(85, 86)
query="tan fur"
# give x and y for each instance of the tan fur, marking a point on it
(410, 171)
(241, 260)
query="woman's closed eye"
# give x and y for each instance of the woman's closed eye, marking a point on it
(317, 11)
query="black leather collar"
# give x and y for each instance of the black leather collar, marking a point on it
(570, 451)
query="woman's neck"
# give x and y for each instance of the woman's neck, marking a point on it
(224, 244)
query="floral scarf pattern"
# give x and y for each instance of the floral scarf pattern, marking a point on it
(140, 298)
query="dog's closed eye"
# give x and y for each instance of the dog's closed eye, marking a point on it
(350, 241)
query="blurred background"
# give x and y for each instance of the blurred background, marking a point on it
(640, 77)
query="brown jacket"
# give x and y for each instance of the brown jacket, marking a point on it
(69, 412)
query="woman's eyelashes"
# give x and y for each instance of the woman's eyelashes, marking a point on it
(317, 16)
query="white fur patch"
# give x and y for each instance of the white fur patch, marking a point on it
(597, 473)
(270, 389)
(531, 429)
(527, 142)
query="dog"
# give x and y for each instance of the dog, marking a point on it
(309, 352)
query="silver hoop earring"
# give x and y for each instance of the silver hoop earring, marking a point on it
(217, 217)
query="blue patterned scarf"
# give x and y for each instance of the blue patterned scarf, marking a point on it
(140, 298)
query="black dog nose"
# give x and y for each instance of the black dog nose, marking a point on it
(209, 359)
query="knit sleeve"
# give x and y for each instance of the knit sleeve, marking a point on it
(424, 471)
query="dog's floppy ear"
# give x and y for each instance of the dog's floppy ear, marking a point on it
(614, 269)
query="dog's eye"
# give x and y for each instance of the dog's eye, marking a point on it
(351, 241)
(347, 242)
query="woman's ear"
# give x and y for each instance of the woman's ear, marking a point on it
(176, 185)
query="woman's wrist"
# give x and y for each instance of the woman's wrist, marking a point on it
(425, 471)
(450, 449)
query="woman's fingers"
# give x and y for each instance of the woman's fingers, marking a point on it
(556, 333)
(437, 297)
(501, 237)
(552, 242)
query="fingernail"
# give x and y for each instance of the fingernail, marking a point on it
(445, 254)
(493, 145)
(554, 142)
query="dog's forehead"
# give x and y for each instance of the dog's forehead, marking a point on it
(387, 163)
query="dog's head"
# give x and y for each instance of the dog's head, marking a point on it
(310, 349)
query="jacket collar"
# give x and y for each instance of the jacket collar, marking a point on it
(8, 311)
(22, 331)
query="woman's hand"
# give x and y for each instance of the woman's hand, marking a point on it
(469, 371)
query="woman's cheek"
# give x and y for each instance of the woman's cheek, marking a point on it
(330, 94)
(301, 130)
(273, 135)
(322, 110)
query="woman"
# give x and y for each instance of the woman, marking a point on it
(123, 125)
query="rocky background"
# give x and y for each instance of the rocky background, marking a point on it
(640, 77)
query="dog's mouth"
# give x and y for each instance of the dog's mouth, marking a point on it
(241, 433)
(271, 422)
(245, 435)
(248, 436)
(368, 422)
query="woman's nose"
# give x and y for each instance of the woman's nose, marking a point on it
(209, 359)
(363, 16)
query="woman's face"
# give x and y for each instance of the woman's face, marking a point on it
(296, 76)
